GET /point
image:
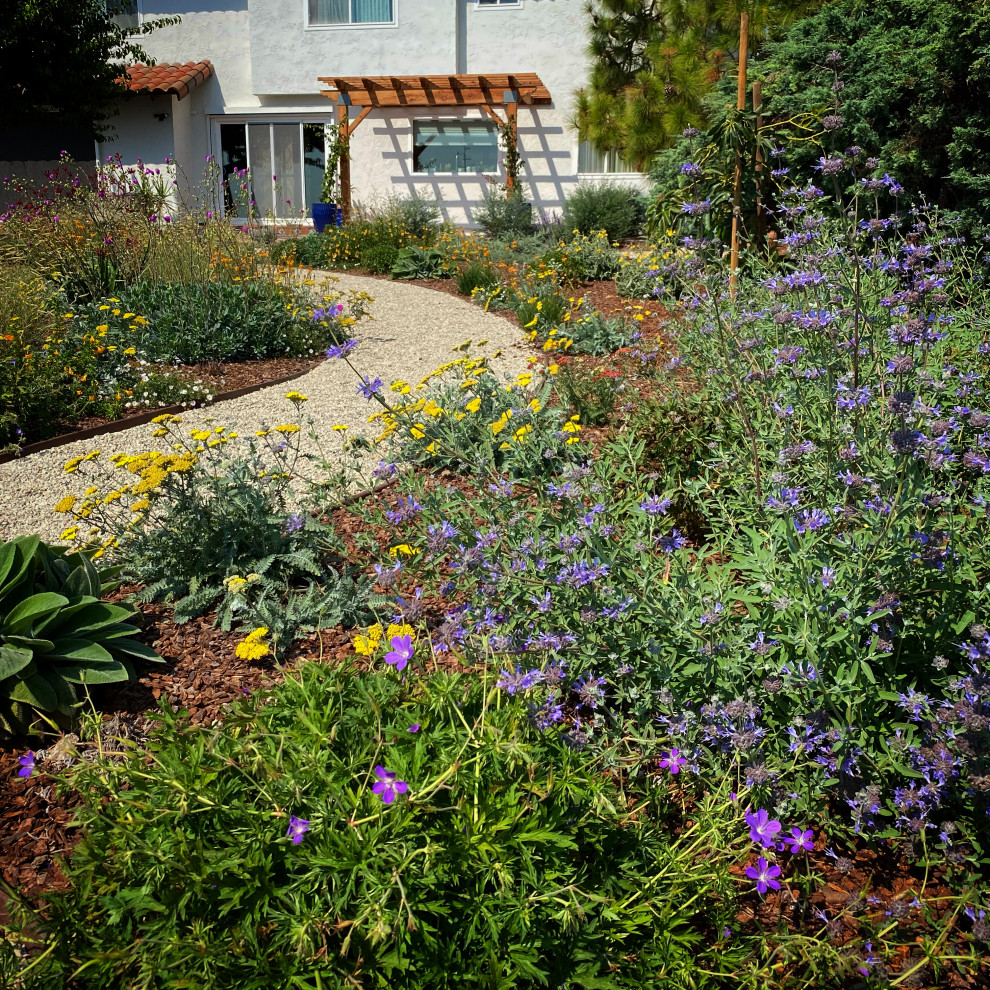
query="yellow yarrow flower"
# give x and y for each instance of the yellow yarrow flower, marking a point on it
(235, 584)
(70, 533)
(287, 428)
(474, 405)
(296, 397)
(368, 643)
(253, 647)
(66, 504)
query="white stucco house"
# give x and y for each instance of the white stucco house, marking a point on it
(239, 80)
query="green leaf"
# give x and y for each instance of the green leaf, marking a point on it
(13, 659)
(32, 643)
(64, 691)
(24, 550)
(134, 648)
(8, 553)
(84, 579)
(117, 630)
(90, 618)
(80, 651)
(36, 691)
(104, 673)
(31, 609)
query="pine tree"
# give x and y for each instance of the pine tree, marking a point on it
(655, 61)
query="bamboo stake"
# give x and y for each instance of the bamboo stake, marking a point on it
(761, 218)
(737, 194)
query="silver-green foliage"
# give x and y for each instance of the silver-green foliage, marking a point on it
(56, 636)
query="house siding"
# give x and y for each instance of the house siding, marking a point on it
(268, 62)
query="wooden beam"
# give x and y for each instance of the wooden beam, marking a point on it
(491, 113)
(352, 126)
(450, 90)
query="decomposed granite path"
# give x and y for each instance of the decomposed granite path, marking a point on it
(412, 332)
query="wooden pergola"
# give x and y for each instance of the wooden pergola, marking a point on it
(484, 91)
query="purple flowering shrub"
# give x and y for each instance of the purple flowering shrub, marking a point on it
(819, 636)
(475, 844)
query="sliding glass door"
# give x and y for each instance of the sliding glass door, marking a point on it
(271, 169)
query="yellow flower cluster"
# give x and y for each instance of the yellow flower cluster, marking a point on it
(367, 643)
(253, 646)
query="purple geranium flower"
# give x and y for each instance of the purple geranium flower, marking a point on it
(801, 841)
(298, 827)
(387, 786)
(401, 652)
(413, 728)
(27, 765)
(763, 873)
(762, 828)
(672, 761)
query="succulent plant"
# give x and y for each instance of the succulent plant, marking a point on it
(56, 635)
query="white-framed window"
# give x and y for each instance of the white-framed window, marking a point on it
(269, 168)
(454, 146)
(594, 162)
(335, 13)
(129, 15)
(499, 3)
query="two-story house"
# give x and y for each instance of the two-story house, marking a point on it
(239, 80)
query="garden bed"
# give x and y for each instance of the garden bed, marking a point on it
(202, 677)
(224, 381)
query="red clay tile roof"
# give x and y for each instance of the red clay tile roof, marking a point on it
(174, 78)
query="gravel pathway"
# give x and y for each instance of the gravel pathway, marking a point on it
(412, 332)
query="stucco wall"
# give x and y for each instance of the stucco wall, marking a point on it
(267, 60)
(209, 29)
(288, 57)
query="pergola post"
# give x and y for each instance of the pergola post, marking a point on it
(344, 135)
(510, 123)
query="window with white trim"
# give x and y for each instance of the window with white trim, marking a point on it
(454, 146)
(595, 162)
(498, 3)
(326, 13)
(128, 14)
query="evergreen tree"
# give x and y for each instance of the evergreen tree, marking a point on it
(655, 61)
